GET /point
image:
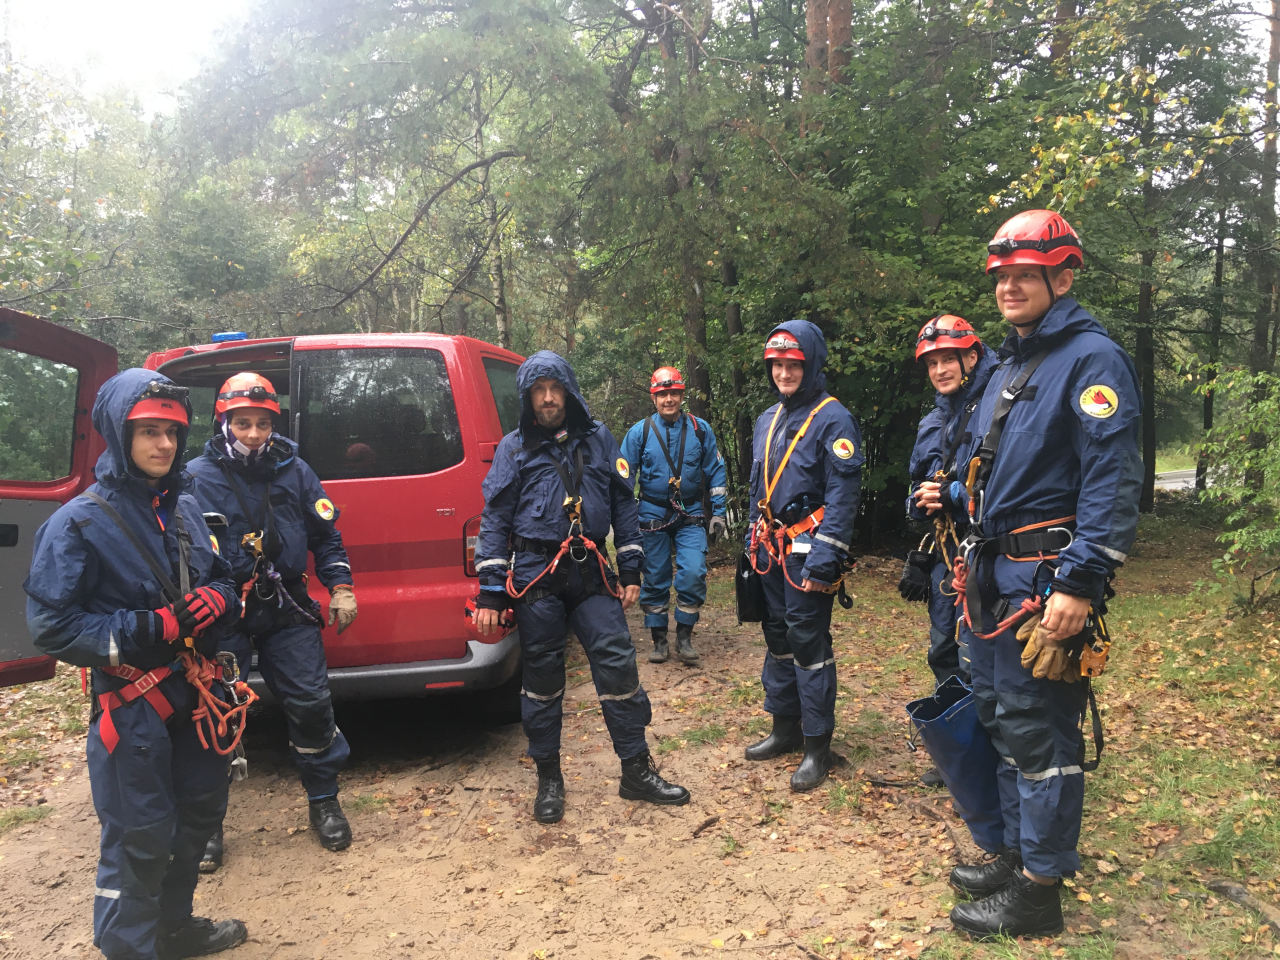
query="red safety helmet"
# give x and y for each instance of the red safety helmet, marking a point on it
(782, 346)
(162, 400)
(946, 332)
(1035, 236)
(246, 390)
(666, 378)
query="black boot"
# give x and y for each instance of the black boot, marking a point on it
(330, 824)
(784, 738)
(684, 644)
(814, 765)
(660, 652)
(199, 936)
(978, 880)
(931, 778)
(212, 858)
(640, 781)
(548, 805)
(1021, 908)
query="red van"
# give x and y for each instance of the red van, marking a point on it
(400, 428)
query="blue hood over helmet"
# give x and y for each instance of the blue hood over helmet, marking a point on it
(814, 346)
(110, 418)
(546, 363)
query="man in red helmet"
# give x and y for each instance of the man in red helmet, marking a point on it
(277, 513)
(958, 367)
(1052, 482)
(682, 503)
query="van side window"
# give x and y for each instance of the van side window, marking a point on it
(506, 395)
(377, 413)
(37, 414)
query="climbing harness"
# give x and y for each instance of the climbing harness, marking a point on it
(576, 544)
(674, 502)
(219, 723)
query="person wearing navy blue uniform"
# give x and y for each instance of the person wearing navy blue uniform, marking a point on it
(277, 513)
(682, 491)
(1054, 504)
(805, 484)
(94, 600)
(958, 367)
(557, 484)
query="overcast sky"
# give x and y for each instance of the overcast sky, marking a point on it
(147, 46)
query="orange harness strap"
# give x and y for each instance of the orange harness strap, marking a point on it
(146, 684)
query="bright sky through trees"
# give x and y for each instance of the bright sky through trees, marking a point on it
(146, 46)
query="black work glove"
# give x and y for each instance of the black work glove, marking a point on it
(917, 577)
(492, 600)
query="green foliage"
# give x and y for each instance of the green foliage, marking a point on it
(1245, 477)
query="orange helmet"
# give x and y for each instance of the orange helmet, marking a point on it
(162, 400)
(246, 390)
(782, 346)
(946, 332)
(666, 378)
(1035, 236)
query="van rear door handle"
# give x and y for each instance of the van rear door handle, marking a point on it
(488, 448)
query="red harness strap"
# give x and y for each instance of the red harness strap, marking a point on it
(145, 684)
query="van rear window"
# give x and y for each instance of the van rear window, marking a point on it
(506, 395)
(376, 413)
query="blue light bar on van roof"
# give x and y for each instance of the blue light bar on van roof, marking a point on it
(227, 335)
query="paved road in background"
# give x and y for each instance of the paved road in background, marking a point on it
(1176, 480)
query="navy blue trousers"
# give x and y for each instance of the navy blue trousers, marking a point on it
(799, 673)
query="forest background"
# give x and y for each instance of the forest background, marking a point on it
(635, 183)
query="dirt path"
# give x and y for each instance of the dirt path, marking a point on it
(448, 862)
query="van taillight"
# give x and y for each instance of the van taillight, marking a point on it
(470, 533)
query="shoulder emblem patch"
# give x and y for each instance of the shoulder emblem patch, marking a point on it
(624, 468)
(213, 542)
(1099, 401)
(324, 508)
(843, 448)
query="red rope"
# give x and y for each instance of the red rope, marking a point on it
(1027, 609)
(565, 547)
(214, 718)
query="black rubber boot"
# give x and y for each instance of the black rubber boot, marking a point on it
(660, 651)
(931, 778)
(814, 765)
(640, 781)
(211, 860)
(1021, 908)
(199, 937)
(978, 880)
(548, 805)
(684, 644)
(784, 738)
(330, 824)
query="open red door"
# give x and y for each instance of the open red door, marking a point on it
(49, 376)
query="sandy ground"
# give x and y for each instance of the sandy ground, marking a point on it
(447, 861)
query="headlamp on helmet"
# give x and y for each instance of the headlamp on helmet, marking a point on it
(946, 332)
(666, 378)
(1039, 237)
(162, 400)
(782, 346)
(246, 390)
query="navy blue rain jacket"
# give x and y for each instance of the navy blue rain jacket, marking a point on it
(302, 515)
(524, 492)
(702, 469)
(824, 470)
(937, 431)
(89, 593)
(1071, 447)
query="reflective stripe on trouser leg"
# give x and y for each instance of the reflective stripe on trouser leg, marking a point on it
(151, 826)
(803, 632)
(601, 627)
(542, 642)
(691, 572)
(655, 585)
(292, 663)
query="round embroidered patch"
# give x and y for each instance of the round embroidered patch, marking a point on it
(324, 508)
(624, 468)
(1099, 401)
(843, 448)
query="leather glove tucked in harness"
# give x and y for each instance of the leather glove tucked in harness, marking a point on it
(717, 529)
(916, 582)
(342, 606)
(1046, 659)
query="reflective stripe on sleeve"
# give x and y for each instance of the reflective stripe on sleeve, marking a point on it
(831, 540)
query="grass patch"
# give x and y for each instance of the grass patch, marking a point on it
(365, 802)
(842, 798)
(17, 816)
